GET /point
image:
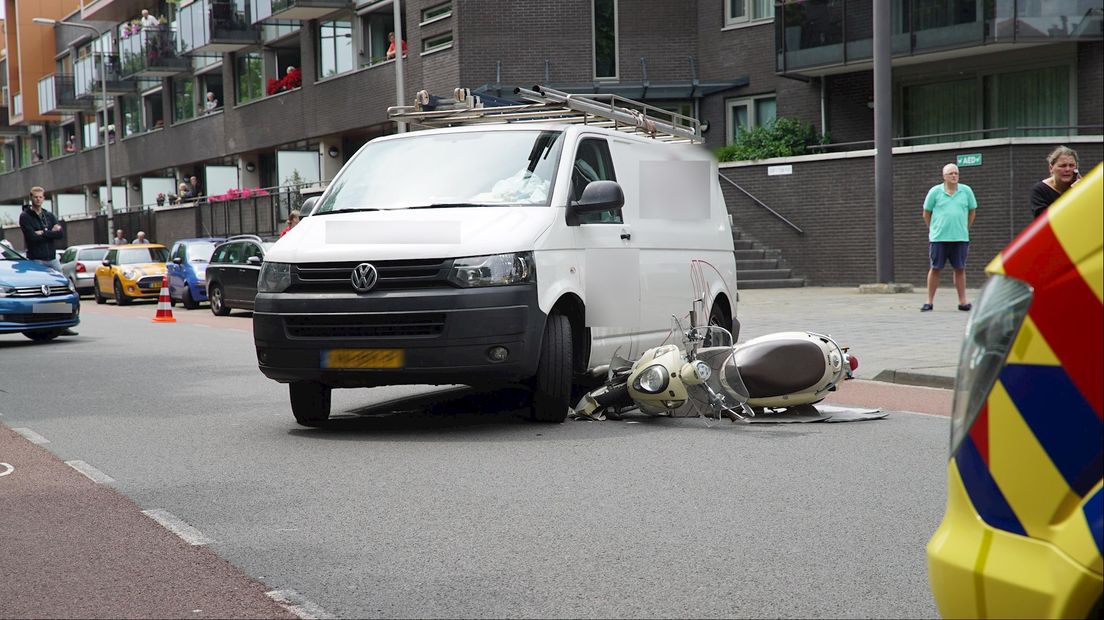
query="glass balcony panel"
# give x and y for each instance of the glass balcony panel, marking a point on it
(152, 53)
(1056, 19)
(260, 9)
(217, 26)
(940, 24)
(86, 72)
(859, 30)
(812, 33)
(47, 104)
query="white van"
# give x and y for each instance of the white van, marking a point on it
(490, 254)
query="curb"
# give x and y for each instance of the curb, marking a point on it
(907, 377)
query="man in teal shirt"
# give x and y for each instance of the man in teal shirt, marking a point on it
(949, 211)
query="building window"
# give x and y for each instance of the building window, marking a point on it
(605, 39)
(377, 25)
(90, 134)
(250, 72)
(435, 13)
(748, 113)
(184, 104)
(54, 141)
(744, 11)
(1013, 102)
(155, 113)
(335, 41)
(132, 114)
(437, 43)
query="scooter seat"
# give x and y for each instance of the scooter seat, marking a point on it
(778, 367)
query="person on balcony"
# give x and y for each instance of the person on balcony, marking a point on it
(70, 145)
(391, 48)
(149, 22)
(211, 103)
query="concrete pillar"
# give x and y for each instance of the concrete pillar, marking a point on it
(329, 150)
(249, 178)
(134, 196)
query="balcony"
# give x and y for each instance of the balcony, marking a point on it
(822, 36)
(57, 95)
(87, 74)
(151, 53)
(217, 26)
(301, 10)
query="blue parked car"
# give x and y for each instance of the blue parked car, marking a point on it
(188, 270)
(35, 300)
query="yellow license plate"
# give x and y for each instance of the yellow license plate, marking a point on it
(363, 358)
(155, 285)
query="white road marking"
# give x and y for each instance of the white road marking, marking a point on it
(92, 473)
(177, 526)
(298, 605)
(31, 436)
(5, 469)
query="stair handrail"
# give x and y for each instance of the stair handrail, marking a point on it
(762, 204)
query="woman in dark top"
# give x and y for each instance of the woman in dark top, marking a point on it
(1063, 174)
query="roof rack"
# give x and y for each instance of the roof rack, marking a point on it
(245, 236)
(546, 105)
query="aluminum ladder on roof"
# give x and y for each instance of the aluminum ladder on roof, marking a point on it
(547, 105)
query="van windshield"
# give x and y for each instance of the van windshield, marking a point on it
(449, 169)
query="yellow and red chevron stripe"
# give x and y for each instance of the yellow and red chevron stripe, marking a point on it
(1033, 459)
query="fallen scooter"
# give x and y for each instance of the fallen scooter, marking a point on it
(710, 377)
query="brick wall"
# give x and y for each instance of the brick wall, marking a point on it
(832, 200)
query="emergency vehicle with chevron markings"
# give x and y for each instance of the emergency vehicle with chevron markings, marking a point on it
(1023, 529)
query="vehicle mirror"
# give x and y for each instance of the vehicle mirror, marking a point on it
(600, 196)
(253, 260)
(308, 206)
(106, 263)
(178, 260)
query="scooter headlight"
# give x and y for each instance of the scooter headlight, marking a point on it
(653, 380)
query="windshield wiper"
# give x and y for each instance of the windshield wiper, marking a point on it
(452, 205)
(345, 211)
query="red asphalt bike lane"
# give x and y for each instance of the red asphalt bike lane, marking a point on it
(71, 548)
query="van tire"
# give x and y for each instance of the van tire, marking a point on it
(719, 317)
(310, 402)
(552, 383)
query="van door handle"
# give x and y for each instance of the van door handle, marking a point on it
(626, 235)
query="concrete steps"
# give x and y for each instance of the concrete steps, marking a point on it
(761, 267)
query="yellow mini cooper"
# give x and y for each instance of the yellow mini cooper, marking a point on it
(130, 272)
(1024, 525)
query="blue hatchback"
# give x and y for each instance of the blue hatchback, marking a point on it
(188, 270)
(34, 299)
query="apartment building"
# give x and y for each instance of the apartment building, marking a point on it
(262, 93)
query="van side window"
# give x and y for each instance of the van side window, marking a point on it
(593, 163)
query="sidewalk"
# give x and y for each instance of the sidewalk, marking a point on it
(892, 339)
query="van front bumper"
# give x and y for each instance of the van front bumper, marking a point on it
(978, 571)
(445, 335)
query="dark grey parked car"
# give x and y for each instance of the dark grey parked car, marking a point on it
(232, 273)
(78, 264)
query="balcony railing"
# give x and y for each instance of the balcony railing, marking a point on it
(152, 53)
(217, 26)
(87, 74)
(57, 94)
(301, 10)
(815, 34)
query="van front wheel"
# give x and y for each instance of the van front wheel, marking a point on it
(552, 384)
(310, 402)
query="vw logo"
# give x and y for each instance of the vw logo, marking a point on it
(364, 277)
(45, 290)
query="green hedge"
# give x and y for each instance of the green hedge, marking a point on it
(782, 137)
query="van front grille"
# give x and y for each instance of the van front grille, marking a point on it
(364, 325)
(393, 274)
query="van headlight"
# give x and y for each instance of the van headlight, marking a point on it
(652, 380)
(990, 332)
(494, 270)
(274, 277)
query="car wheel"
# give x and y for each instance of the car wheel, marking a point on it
(310, 402)
(100, 299)
(120, 298)
(218, 303)
(552, 384)
(187, 300)
(42, 335)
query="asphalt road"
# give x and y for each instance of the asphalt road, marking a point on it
(466, 509)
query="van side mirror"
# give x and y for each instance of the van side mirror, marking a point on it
(600, 196)
(178, 260)
(253, 260)
(308, 206)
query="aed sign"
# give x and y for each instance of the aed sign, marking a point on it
(973, 159)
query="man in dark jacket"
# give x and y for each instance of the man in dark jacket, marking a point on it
(40, 229)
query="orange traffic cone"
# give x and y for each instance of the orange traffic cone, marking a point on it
(164, 308)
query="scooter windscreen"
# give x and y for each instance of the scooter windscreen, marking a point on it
(724, 386)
